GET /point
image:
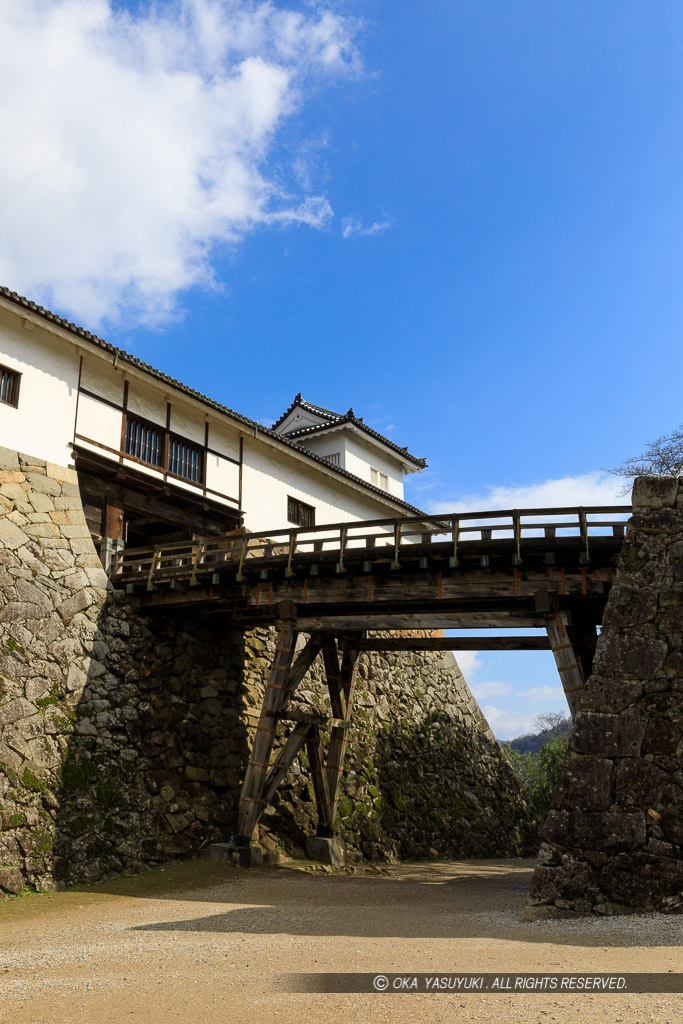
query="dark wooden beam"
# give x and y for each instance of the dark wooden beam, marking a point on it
(455, 643)
(421, 620)
(147, 505)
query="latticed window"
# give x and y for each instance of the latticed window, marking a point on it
(299, 513)
(334, 459)
(185, 460)
(9, 386)
(144, 441)
(379, 479)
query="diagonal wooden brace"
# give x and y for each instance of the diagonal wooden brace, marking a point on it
(260, 783)
(316, 756)
(339, 734)
(283, 762)
(274, 699)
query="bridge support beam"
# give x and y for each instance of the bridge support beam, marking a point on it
(568, 662)
(262, 778)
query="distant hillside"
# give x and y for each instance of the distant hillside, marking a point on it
(532, 742)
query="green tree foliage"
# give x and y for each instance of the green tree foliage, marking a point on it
(539, 771)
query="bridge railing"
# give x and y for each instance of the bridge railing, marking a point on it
(185, 559)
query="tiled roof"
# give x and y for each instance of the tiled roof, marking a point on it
(123, 356)
(318, 409)
(336, 419)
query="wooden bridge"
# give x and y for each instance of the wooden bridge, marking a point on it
(545, 569)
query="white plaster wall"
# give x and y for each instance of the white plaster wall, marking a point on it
(187, 421)
(270, 476)
(98, 421)
(224, 438)
(327, 444)
(43, 425)
(222, 476)
(149, 403)
(102, 378)
(360, 457)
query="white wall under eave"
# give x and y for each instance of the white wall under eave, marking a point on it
(103, 378)
(270, 476)
(329, 443)
(43, 424)
(362, 456)
(222, 476)
(147, 402)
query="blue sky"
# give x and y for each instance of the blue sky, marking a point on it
(461, 217)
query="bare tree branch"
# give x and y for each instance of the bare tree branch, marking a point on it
(662, 457)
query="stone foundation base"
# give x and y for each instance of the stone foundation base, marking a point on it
(329, 851)
(239, 856)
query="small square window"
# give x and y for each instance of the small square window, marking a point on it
(299, 513)
(9, 386)
(379, 479)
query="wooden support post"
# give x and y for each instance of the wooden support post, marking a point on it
(333, 674)
(316, 756)
(113, 535)
(342, 700)
(568, 663)
(278, 692)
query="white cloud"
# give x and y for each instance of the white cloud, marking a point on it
(555, 693)
(507, 725)
(490, 689)
(595, 488)
(136, 144)
(469, 663)
(351, 227)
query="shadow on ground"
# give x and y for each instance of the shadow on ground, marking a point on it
(425, 901)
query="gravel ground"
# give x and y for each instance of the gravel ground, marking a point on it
(206, 944)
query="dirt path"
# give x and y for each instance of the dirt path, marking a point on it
(206, 944)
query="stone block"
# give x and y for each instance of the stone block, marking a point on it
(641, 879)
(661, 522)
(78, 603)
(671, 824)
(609, 735)
(653, 492)
(610, 695)
(8, 459)
(567, 881)
(10, 535)
(629, 606)
(644, 560)
(63, 474)
(603, 831)
(11, 880)
(585, 783)
(676, 555)
(328, 850)
(16, 711)
(639, 784)
(630, 655)
(41, 502)
(43, 483)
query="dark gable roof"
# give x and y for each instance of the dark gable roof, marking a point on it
(126, 357)
(337, 419)
(318, 409)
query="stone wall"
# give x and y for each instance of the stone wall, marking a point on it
(614, 835)
(124, 737)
